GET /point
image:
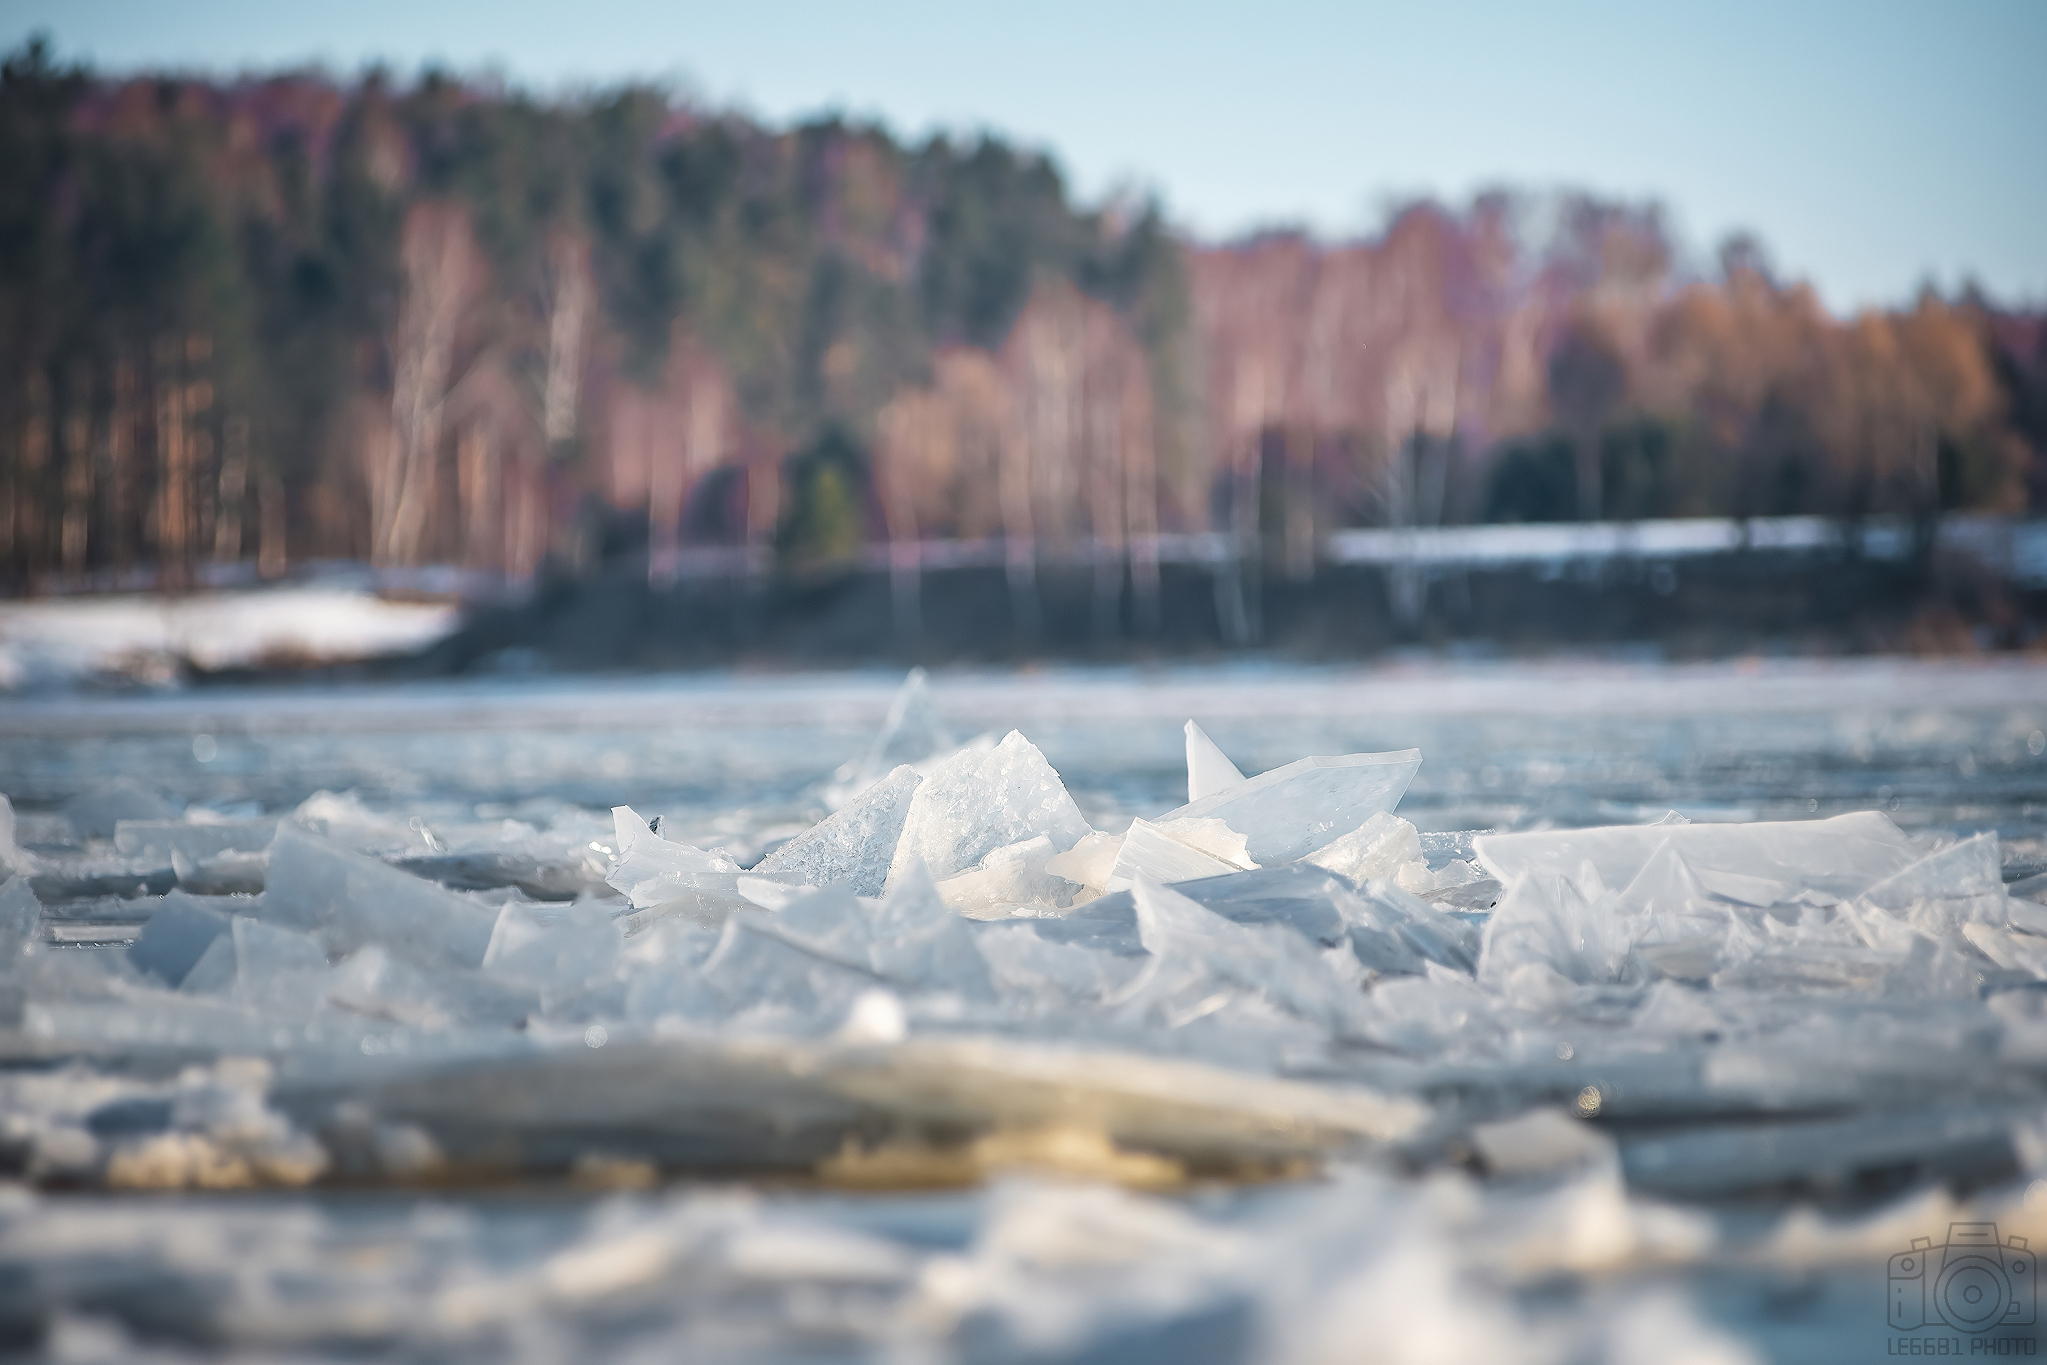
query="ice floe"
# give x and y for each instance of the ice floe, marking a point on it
(1473, 1064)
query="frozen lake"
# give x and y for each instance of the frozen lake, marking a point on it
(1451, 1158)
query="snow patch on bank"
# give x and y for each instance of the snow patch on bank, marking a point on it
(146, 639)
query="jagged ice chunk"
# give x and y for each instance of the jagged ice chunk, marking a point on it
(855, 844)
(1209, 770)
(982, 800)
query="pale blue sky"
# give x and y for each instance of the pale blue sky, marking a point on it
(1872, 144)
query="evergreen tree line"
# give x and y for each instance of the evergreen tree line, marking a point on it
(272, 320)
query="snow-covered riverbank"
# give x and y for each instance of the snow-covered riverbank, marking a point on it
(149, 638)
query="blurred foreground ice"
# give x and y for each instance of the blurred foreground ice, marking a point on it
(953, 1074)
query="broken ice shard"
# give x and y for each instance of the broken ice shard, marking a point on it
(346, 821)
(1301, 806)
(1960, 871)
(1089, 863)
(1380, 847)
(1200, 959)
(175, 938)
(276, 969)
(1211, 836)
(1843, 856)
(1209, 769)
(981, 800)
(1015, 879)
(349, 899)
(918, 942)
(854, 845)
(1388, 929)
(13, 857)
(1149, 851)
(650, 869)
(20, 914)
(553, 945)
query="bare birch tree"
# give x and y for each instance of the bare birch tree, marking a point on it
(439, 267)
(571, 297)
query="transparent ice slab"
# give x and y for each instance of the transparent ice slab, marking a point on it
(1842, 856)
(1295, 809)
(348, 900)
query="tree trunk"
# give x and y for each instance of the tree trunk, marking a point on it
(1019, 542)
(120, 470)
(1300, 504)
(29, 494)
(271, 550)
(476, 478)
(1590, 476)
(1232, 604)
(1246, 513)
(1103, 449)
(234, 491)
(568, 261)
(437, 260)
(1141, 508)
(906, 589)
(173, 509)
(77, 520)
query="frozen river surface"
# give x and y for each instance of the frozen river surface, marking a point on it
(354, 1023)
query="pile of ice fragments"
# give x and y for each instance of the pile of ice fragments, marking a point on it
(1514, 1055)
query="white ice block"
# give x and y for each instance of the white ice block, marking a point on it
(279, 972)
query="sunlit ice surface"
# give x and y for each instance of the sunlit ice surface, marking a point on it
(356, 1022)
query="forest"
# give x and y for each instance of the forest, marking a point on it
(249, 324)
